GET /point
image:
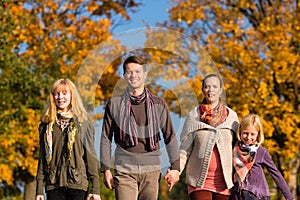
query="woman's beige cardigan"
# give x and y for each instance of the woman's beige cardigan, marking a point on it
(197, 142)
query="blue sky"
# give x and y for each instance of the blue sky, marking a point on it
(149, 13)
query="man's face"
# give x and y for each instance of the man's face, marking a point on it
(135, 75)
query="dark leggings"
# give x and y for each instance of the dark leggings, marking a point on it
(66, 194)
(207, 195)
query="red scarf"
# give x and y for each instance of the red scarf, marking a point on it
(214, 116)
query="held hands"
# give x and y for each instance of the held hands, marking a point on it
(108, 180)
(93, 197)
(172, 177)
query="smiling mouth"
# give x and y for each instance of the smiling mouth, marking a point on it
(248, 142)
(133, 81)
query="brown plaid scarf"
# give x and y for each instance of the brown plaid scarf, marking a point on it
(128, 126)
(214, 116)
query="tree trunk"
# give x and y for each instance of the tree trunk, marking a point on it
(30, 187)
(292, 176)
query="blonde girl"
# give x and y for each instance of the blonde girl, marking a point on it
(249, 159)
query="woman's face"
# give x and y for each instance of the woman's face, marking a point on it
(249, 135)
(212, 90)
(62, 99)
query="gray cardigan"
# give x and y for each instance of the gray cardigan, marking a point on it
(197, 142)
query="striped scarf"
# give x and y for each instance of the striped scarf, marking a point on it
(128, 126)
(214, 116)
(243, 159)
(63, 119)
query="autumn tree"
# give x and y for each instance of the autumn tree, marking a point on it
(42, 41)
(255, 45)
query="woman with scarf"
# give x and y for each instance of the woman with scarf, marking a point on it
(206, 144)
(67, 162)
(249, 159)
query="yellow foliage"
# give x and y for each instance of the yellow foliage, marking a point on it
(6, 174)
(263, 90)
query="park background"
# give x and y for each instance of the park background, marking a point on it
(254, 45)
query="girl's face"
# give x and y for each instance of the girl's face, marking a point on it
(212, 90)
(62, 99)
(249, 135)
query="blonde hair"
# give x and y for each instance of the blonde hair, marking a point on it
(251, 120)
(76, 101)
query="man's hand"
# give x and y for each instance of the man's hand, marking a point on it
(172, 177)
(108, 180)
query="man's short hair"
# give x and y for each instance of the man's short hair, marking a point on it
(134, 59)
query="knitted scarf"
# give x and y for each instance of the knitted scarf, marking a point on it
(214, 116)
(243, 159)
(64, 120)
(128, 126)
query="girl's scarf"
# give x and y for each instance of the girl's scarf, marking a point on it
(214, 116)
(243, 159)
(128, 126)
(64, 120)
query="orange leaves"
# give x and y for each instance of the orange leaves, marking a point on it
(228, 26)
(53, 34)
(187, 11)
(92, 7)
(263, 91)
(6, 174)
(19, 145)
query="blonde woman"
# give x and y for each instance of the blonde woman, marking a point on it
(249, 159)
(67, 160)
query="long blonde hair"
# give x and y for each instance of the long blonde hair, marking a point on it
(252, 120)
(76, 102)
